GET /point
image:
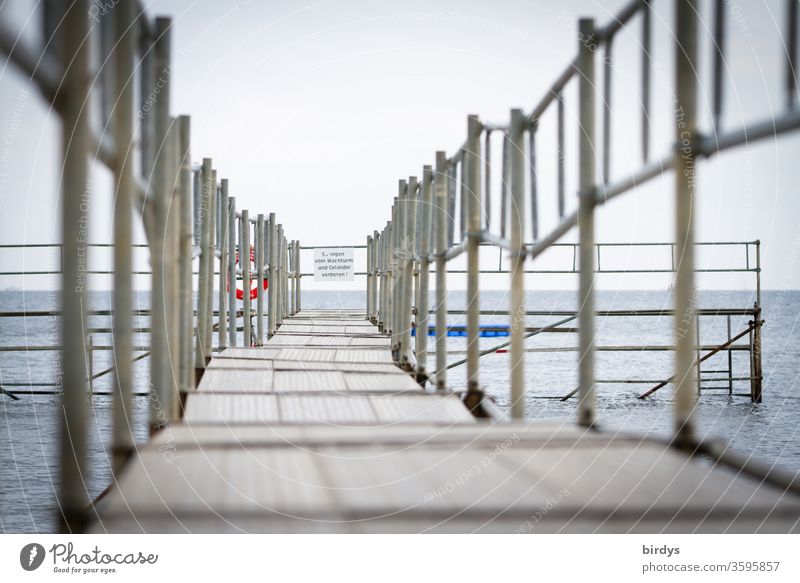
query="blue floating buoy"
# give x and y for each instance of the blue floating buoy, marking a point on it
(460, 331)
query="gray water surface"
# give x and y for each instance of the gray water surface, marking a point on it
(29, 427)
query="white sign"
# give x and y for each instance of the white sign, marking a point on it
(333, 264)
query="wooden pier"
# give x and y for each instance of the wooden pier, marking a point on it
(318, 431)
(340, 422)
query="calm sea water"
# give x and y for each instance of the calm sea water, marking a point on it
(770, 430)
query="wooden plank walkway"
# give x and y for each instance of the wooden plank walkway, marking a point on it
(319, 432)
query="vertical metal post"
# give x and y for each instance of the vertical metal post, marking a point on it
(279, 283)
(204, 275)
(197, 206)
(298, 303)
(375, 276)
(698, 367)
(222, 300)
(472, 172)
(378, 275)
(645, 93)
(560, 139)
(369, 276)
(212, 213)
(232, 277)
(685, 177)
(122, 432)
(288, 278)
(756, 372)
(382, 280)
(385, 312)
(423, 315)
(295, 277)
(187, 380)
(172, 279)
(440, 182)
(412, 247)
(90, 361)
(534, 177)
(397, 275)
(147, 81)
(260, 271)
(286, 272)
(517, 223)
(414, 297)
(74, 206)
(406, 264)
(159, 339)
(272, 277)
(244, 261)
(730, 359)
(390, 278)
(586, 204)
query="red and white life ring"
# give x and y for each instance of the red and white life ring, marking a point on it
(253, 278)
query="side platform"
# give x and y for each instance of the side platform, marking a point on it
(318, 431)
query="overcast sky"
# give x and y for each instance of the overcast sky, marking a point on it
(313, 110)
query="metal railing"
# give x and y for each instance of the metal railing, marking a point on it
(421, 226)
(187, 215)
(743, 257)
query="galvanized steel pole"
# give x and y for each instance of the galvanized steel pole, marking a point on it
(472, 171)
(369, 277)
(122, 431)
(586, 204)
(382, 280)
(260, 271)
(212, 213)
(298, 275)
(286, 272)
(397, 275)
(232, 277)
(222, 294)
(293, 279)
(204, 273)
(441, 237)
(172, 272)
(244, 261)
(406, 269)
(187, 380)
(375, 276)
(73, 498)
(517, 307)
(272, 278)
(160, 412)
(423, 317)
(685, 209)
(279, 281)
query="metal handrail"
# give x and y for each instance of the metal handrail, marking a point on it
(178, 209)
(468, 170)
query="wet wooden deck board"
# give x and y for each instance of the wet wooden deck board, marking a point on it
(296, 438)
(249, 353)
(242, 380)
(309, 380)
(358, 381)
(329, 341)
(323, 407)
(432, 479)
